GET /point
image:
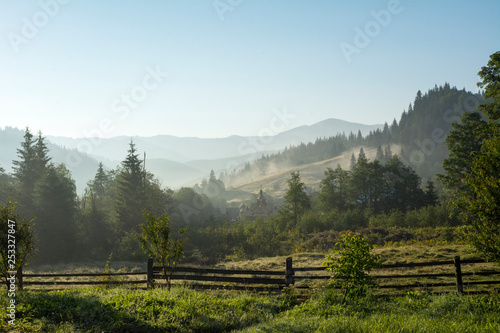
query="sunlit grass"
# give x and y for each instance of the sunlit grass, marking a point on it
(126, 309)
(185, 310)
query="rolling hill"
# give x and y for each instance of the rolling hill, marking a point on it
(274, 183)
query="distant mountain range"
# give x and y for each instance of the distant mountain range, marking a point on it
(177, 161)
(185, 149)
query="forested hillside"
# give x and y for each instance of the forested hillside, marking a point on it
(423, 128)
(421, 132)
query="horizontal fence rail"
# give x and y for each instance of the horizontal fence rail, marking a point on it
(22, 279)
(456, 282)
(257, 280)
(219, 271)
(275, 280)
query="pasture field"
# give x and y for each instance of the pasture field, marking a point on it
(128, 309)
(186, 310)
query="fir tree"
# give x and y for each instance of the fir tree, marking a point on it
(417, 101)
(386, 134)
(130, 198)
(55, 225)
(380, 154)
(388, 153)
(360, 136)
(430, 196)
(297, 201)
(101, 182)
(25, 174)
(362, 157)
(42, 154)
(353, 162)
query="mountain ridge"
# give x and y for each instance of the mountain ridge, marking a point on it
(176, 161)
(183, 165)
(185, 149)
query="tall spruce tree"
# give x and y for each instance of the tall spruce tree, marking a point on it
(42, 154)
(55, 225)
(25, 174)
(380, 155)
(431, 197)
(130, 201)
(130, 196)
(101, 182)
(297, 201)
(387, 153)
(362, 156)
(360, 183)
(353, 162)
(95, 225)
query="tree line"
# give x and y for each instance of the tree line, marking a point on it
(107, 217)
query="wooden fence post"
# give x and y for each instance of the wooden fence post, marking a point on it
(150, 273)
(289, 272)
(458, 274)
(20, 278)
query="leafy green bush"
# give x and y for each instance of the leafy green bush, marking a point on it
(351, 264)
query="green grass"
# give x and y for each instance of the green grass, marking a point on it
(125, 310)
(411, 313)
(184, 310)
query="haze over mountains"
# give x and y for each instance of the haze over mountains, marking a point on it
(176, 161)
(418, 138)
(185, 149)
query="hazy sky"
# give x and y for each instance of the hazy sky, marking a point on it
(216, 68)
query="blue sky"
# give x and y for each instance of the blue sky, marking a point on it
(83, 68)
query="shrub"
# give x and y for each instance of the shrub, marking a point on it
(351, 264)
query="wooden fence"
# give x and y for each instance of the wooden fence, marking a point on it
(22, 282)
(234, 279)
(301, 277)
(425, 281)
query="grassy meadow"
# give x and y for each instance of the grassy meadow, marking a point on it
(124, 309)
(186, 310)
